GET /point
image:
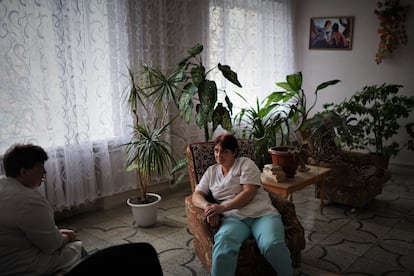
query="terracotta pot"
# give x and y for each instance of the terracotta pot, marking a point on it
(380, 162)
(287, 160)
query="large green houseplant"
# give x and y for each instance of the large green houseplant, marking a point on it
(291, 116)
(374, 115)
(185, 86)
(292, 107)
(148, 152)
(194, 92)
(193, 86)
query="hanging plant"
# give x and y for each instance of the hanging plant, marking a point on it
(391, 15)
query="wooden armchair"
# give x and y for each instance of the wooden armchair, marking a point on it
(200, 156)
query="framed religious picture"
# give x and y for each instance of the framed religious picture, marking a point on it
(333, 33)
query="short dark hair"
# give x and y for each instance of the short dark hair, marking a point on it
(227, 141)
(22, 156)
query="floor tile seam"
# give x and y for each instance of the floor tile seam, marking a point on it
(361, 232)
(328, 221)
(402, 219)
(168, 217)
(109, 234)
(190, 247)
(386, 272)
(394, 250)
(306, 250)
(391, 229)
(333, 232)
(322, 260)
(161, 235)
(357, 257)
(168, 222)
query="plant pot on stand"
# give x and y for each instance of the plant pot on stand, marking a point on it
(145, 214)
(286, 158)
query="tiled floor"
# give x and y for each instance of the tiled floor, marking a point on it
(376, 240)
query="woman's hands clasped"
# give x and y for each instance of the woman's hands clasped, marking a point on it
(68, 235)
(212, 212)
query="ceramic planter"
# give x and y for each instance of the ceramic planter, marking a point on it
(145, 215)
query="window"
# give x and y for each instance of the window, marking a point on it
(59, 73)
(64, 64)
(255, 39)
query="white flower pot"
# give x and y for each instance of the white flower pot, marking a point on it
(145, 215)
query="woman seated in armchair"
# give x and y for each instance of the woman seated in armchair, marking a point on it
(243, 209)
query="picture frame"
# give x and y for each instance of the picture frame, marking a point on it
(331, 33)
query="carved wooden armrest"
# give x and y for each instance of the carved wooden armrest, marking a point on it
(197, 222)
(293, 228)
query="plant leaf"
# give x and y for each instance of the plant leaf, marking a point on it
(229, 74)
(221, 116)
(275, 97)
(229, 104)
(185, 103)
(326, 84)
(295, 81)
(195, 50)
(197, 75)
(285, 86)
(207, 93)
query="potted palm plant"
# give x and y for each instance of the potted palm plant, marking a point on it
(290, 120)
(375, 114)
(148, 152)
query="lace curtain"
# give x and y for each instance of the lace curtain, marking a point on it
(60, 88)
(63, 74)
(255, 39)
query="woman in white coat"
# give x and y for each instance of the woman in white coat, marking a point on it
(30, 242)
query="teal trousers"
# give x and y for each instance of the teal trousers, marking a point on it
(269, 234)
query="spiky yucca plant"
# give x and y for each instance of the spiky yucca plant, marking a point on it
(148, 151)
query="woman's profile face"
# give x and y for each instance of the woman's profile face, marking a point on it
(33, 177)
(224, 157)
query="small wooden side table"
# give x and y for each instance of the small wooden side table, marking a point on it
(316, 175)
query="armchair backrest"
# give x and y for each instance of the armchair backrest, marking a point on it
(200, 156)
(322, 145)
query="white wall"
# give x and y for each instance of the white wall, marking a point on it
(357, 67)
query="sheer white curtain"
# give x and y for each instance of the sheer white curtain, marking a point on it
(62, 78)
(63, 70)
(61, 83)
(255, 39)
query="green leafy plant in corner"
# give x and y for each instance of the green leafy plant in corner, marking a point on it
(375, 114)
